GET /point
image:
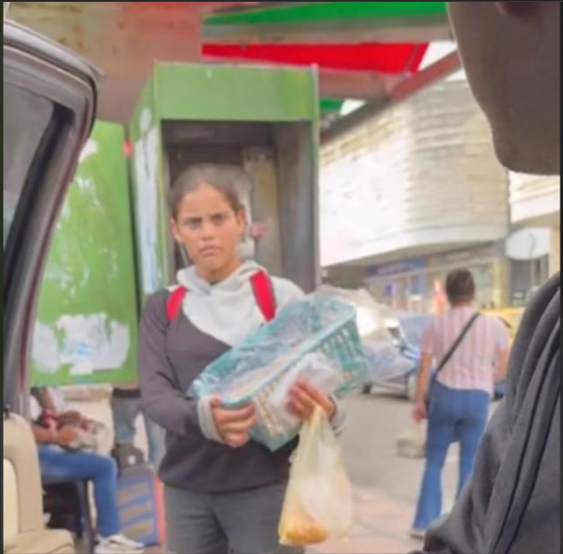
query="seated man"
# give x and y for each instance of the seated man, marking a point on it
(57, 413)
(57, 461)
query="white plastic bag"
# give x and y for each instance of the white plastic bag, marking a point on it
(318, 500)
(412, 442)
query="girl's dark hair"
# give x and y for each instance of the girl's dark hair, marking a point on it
(460, 287)
(226, 179)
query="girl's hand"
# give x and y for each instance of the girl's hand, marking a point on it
(233, 425)
(303, 397)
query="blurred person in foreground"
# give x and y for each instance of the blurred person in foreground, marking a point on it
(512, 504)
(471, 350)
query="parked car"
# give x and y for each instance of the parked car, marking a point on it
(396, 368)
(49, 109)
(394, 364)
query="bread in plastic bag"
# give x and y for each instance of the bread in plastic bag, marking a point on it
(316, 336)
(317, 370)
(318, 501)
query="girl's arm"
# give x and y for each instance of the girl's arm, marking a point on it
(161, 399)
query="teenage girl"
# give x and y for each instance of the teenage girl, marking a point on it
(223, 491)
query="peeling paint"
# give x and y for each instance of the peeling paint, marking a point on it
(146, 168)
(86, 343)
(45, 349)
(90, 149)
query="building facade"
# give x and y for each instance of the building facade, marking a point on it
(535, 202)
(412, 284)
(412, 193)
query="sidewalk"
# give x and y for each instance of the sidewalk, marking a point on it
(381, 524)
(381, 527)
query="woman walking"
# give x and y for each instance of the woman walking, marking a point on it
(471, 351)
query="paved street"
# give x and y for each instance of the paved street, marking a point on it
(386, 485)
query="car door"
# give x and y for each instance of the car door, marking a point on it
(49, 108)
(49, 105)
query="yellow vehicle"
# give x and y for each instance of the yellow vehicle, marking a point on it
(510, 317)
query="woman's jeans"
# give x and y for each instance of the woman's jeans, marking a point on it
(67, 465)
(125, 412)
(454, 415)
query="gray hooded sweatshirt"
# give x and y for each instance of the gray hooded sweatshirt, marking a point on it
(513, 502)
(171, 355)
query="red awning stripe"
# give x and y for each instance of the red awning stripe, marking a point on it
(390, 59)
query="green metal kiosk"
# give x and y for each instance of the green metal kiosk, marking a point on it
(262, 119)
(113, 246)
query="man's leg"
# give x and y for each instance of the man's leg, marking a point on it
(124, 412)
(191, 526)
(155, 438)
(57, 463)
(250, 520)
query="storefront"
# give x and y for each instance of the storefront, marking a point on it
(533, 258)
(412, 284)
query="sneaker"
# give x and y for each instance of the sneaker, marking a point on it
(118, 544)
(417, 534)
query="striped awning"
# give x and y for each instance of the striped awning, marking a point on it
(364, 50)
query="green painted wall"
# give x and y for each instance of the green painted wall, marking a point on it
(211, 93)
(234, 93)
(86, 325)
(149, 189)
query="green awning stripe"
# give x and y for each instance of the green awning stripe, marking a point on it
(307, 12)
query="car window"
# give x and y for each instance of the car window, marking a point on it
(26, 119)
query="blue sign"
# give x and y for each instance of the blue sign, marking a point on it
(404, 266)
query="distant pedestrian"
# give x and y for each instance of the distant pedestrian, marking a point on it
(471, 351)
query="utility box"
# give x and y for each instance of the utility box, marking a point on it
(262, 119)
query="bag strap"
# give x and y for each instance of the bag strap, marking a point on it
(174, 302)
(457, 342)
(263, 293)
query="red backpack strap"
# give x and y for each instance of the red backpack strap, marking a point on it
(174, 302)
(264, 294)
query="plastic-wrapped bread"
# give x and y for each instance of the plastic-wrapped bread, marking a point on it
(315, 338)
(318, 500)
(300, 529)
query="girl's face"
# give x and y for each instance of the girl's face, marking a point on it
(210, 230)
